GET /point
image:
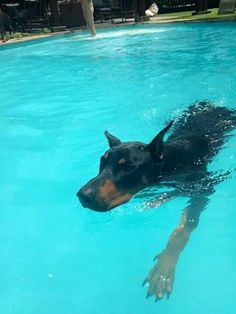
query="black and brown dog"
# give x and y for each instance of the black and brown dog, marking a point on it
(179, 162)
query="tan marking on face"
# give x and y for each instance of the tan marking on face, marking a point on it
(111, 195)
(145, 180)
(106, 156)
(122, 161)
(108, 189)
(120, 200)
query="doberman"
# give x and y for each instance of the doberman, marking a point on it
(179, 162)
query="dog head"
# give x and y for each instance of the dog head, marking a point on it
(125, 169)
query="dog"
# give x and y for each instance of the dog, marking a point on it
(179, 162)
(5, 24)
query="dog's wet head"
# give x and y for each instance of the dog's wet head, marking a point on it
(125, 169)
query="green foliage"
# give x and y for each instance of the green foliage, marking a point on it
(183, 3)
(187, 15)
(18, 35)
(174, 3)
(46, 30)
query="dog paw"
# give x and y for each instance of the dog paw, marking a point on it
(161, 278)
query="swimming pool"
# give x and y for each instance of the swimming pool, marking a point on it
(57, 98)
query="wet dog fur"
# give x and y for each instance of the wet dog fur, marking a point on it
(179, 161)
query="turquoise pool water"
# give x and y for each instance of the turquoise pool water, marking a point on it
(57, 97)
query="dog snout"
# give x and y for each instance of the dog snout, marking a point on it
(89, 199)
(86, 197)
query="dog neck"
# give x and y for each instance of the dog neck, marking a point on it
(184, 153)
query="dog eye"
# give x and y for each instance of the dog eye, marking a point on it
(127, 166)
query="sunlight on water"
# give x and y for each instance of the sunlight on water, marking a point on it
(121, 33)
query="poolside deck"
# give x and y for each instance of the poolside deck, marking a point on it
(159, 19)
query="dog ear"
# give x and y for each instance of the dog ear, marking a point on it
(156, 145)
(112, 140)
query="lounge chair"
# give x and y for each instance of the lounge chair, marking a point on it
(128, 9)
(106, 10)
(28, 15)
(227, 6)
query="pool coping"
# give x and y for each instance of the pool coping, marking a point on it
(155, 20)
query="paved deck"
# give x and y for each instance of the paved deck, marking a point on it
(118, 23)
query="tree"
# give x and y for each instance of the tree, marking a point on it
(141, 7)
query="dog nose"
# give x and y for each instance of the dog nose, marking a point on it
(85, 196)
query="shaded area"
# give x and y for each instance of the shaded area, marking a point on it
(227, 6)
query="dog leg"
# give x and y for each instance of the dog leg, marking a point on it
(161, 277)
